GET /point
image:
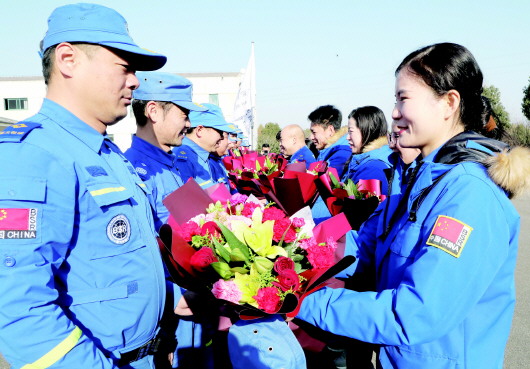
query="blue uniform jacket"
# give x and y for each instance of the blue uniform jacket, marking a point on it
(219, 173)
(195, 158)
(370, 165)
(80, 268)
(438, 303)
(303, 154)
(336, 154)
(159, 172)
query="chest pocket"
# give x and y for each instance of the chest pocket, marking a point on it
(114, 217)
(406, 243)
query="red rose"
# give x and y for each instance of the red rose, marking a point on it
(288, 280)
(268, 299)
(189, 229)
(320, 256)
(272, 213)
(202, 258)
(210, 228)
(283, 263)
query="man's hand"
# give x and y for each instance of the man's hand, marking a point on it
(183, 308)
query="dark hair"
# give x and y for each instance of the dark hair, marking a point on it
(278, 135)
(265, 145)
(138, 108)
(447, 66)
(326, 115)
(371, 122)
(49, 54)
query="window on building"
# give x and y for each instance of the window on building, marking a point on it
(16, 104)
(213, 99)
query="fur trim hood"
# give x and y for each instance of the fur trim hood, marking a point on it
(376, 144)
(508, 167)
(338, 134)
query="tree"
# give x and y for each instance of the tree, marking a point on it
(267, 134)
(494, 95)
(526, 101)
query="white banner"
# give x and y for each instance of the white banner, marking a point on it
(245, 105)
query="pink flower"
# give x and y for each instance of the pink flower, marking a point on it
(321, 256)
(203, 258)
(298, 222)
(283, 263)
(248, 209)
(268, 299)
(227, 290)
(331, 243)
(288, 280)
(284, 226)
(307, 243)
(189, 229)
(272, 213)
(238, 198)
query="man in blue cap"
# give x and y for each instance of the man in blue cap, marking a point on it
(161, 107)
(208, 130)
(83, 282)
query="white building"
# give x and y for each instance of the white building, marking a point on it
(21, 97)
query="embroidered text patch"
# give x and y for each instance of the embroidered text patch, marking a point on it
(449, 235)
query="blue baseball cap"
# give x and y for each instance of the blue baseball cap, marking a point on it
(158, 86)
(264, 343)
(213, 118)
(97, 24)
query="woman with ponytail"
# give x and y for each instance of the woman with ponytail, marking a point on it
(442, 253)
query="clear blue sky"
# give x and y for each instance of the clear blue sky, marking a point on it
(308, 53)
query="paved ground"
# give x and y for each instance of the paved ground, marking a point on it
(517, 356)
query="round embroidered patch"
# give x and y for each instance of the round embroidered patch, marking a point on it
(141, 171)
(119, 229)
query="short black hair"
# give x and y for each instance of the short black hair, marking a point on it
(138, 108)
(326, 115)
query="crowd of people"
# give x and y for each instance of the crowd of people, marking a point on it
(83, 284)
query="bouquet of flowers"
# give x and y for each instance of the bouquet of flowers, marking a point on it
(356, 201)
(289, 186)
(252, 256)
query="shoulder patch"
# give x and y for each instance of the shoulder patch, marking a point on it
(450, 235)
(17, 132)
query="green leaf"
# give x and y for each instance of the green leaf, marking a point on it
(234, 242)
(221, 250)
(239, 270)
(334, 180)
(237, 255)
(222, 269)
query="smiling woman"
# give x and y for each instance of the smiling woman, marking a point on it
(449, 242)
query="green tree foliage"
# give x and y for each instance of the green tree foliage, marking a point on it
(494, 95)
(267, 134)
(526, 101)
(518, 135)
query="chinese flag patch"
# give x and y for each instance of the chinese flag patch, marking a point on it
(18, 223)
(449, 235)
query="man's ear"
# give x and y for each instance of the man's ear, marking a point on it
(330, 130)
(153, 112)
(66, 58)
